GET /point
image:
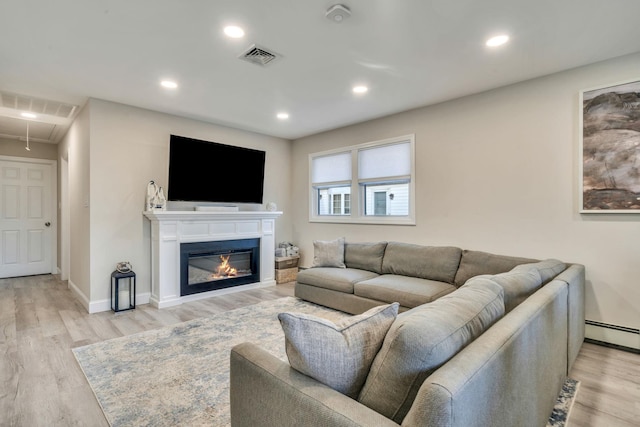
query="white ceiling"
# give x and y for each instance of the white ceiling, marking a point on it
(409, 52)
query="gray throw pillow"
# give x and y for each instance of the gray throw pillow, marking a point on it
(338, 355)
(328, 253)
(423, 339)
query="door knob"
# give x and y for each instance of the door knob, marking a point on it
(48, 224)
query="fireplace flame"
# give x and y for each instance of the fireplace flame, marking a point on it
(225, 269)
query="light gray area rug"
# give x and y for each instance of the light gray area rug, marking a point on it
(179, 375)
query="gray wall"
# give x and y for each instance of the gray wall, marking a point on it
(127, 148)
(39, 150)
(74, 149)
(498, 172)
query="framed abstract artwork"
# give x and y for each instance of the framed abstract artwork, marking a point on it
(610, 149)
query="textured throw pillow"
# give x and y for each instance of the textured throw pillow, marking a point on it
(423, 339)
(338, 355)
(328, 253)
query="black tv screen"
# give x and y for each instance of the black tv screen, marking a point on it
(203, 171)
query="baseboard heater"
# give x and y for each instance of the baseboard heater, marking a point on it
(615, 336)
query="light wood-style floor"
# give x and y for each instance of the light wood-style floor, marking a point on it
(41, 383)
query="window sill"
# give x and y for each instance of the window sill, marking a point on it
(378, 220)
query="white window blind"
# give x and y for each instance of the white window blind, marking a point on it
(331, 168)
(392, 160)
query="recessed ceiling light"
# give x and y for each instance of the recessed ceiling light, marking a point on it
(169, 84)
(233, 31)
(497, 40)
(360, 89)
(28, 115)
(283, 116)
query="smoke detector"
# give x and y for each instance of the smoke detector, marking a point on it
(338, 13)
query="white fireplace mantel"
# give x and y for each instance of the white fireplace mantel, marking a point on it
(171, 228)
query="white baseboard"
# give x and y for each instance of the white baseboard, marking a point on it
(202, 295)
(105, 304)
(80, 296)
(613, 334)
(101, 305)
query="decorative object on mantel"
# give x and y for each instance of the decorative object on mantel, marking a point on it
(123, 287)
(272, 207)
(161, 200)
(152, 189)
(155, 200)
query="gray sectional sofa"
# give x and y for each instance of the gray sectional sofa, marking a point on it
(385, 272)
(504, 366)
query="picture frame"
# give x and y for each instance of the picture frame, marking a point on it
(609, 133)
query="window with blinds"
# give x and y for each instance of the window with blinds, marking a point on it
(331, 180)
(379, 174)
(384, 174)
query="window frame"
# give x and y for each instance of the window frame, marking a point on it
(357, 197)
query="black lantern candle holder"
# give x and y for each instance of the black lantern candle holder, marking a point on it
(123, 291)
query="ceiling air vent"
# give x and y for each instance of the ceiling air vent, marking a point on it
(259, 55)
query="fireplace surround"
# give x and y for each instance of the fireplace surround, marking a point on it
(171, 229)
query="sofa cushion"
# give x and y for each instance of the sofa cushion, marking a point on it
(548, 268)
(408, 291)
(427, 262)
(341, 280)
(475, 263)
(365, 256)
(338, 355)
(424, 338)
(518, 285)
(328, 253)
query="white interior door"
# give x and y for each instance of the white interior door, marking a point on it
(26, 218)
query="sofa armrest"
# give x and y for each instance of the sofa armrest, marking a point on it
(574, 277)
(509, 376)
(265, 391)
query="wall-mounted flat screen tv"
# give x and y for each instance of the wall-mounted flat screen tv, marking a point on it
(203, 171)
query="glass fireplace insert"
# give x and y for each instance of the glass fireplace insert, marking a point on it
(208, 266)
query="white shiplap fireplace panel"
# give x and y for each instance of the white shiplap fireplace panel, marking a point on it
(171, 228)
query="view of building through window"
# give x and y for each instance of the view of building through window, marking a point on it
(334, 201)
